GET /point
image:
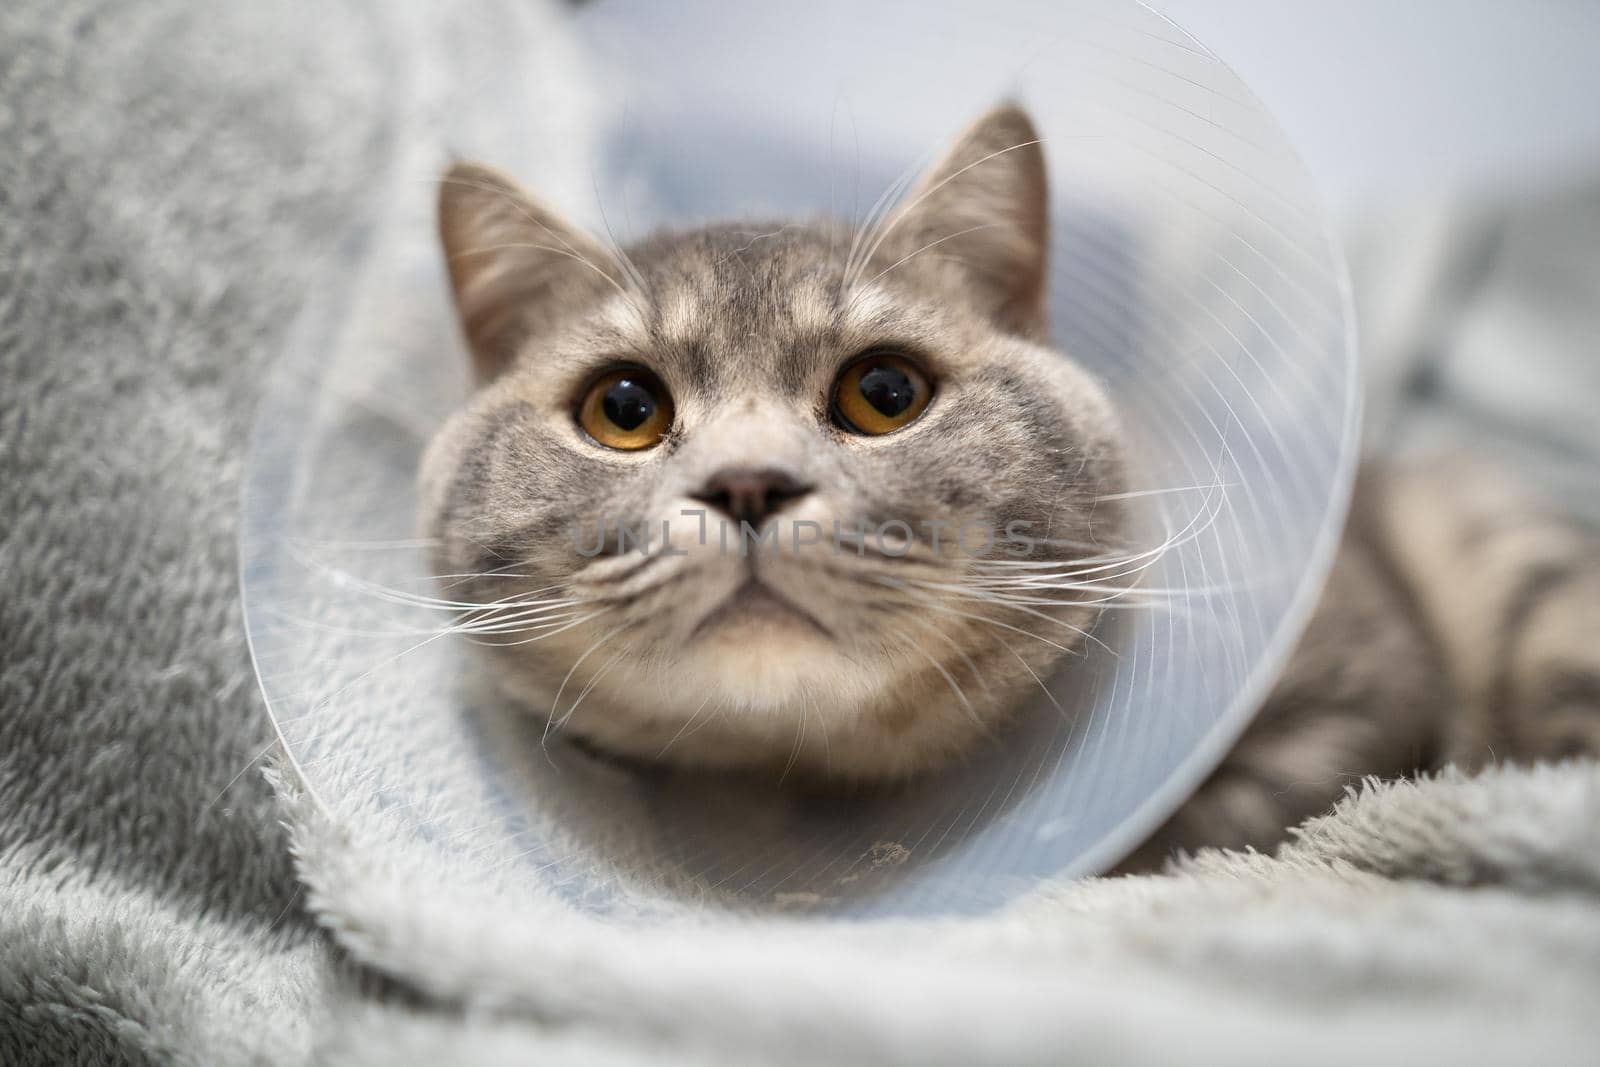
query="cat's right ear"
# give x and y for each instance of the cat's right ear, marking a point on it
(515, 265)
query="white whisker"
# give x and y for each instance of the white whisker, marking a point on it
(556, 703)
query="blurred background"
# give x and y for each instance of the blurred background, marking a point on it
(1457, 144)
(1409, 101)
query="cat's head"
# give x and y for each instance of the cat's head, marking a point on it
(787, 494)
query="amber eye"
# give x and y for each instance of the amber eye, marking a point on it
(879, 393)
(626, 409)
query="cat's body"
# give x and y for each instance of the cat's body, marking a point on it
(923, 501)
(1460, 626)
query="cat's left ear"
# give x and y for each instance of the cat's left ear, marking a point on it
(986, 206)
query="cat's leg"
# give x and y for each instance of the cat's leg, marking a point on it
(1513, 590)
(1361, 695)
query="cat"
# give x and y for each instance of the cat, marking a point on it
(753, 498)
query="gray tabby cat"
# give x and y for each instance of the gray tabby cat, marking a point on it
(755, 498)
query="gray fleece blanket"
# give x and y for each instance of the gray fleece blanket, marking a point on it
(174, 179)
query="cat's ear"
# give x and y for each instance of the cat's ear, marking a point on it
(515, 266)
(986, 206)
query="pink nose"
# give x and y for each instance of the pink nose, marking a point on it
(751, 494)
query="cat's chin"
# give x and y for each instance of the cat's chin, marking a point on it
(766, 655)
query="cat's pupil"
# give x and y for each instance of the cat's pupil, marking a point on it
(628, 404)
(888, 389)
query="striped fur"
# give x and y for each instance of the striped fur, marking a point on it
(1461, 627)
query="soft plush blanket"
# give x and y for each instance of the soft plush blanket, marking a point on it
(175, 177)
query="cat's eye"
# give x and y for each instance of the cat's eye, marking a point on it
(879, 393)
(626, 409)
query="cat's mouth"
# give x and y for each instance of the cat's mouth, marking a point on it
(757, 602)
